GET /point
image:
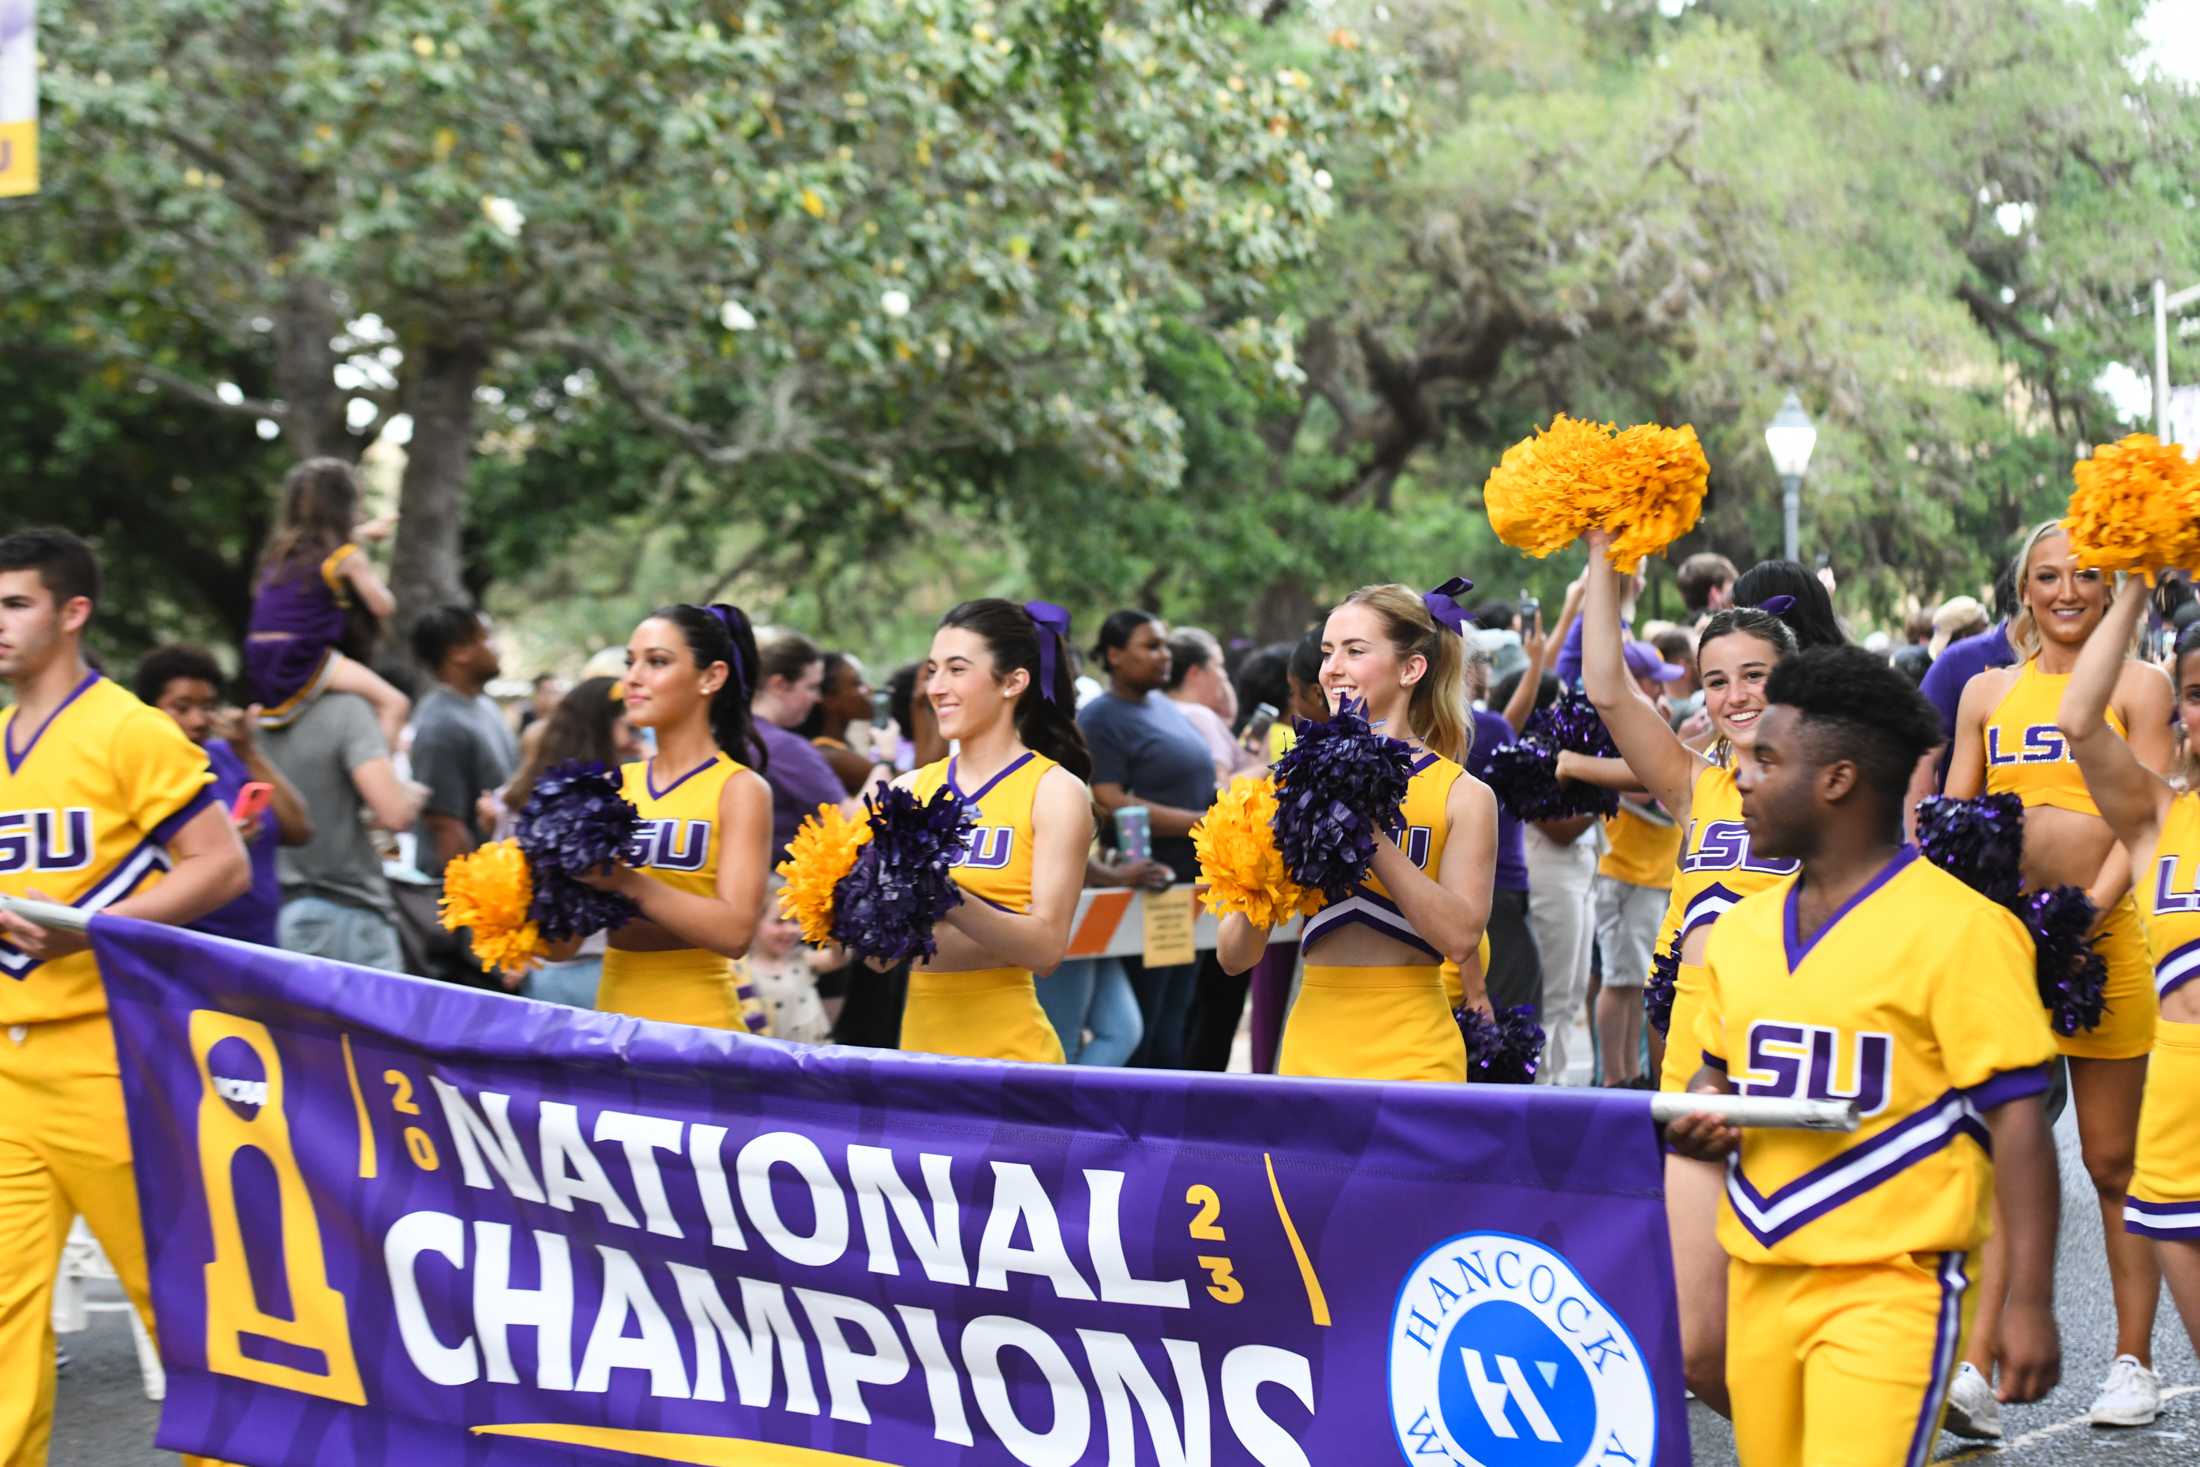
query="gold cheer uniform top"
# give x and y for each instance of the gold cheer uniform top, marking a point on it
(986, 1013)
(676, 842)
(1391, 1022)
(1644, 847)
(1915, 1001)
(88, 803)
(2027, 756)
(1716, 870)
(2164, 1201)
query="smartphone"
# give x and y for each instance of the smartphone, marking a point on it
(1255, 736)
(252, 801)
(1529, 608)
(882, 707)
(1133, 833)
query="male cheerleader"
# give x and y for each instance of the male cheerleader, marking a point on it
(1871, 976)
(103, 806)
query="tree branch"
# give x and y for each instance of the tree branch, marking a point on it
(175, 384)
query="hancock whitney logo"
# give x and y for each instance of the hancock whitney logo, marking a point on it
(1500, 1356)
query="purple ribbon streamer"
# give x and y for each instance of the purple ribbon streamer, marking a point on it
(1053, 624)
(1444, 607)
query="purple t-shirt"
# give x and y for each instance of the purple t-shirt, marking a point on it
(251, 917)
(1953, 670)
(800, 780)
(1491, 733)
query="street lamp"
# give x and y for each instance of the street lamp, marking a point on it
(1791, 437)
(2166, 305)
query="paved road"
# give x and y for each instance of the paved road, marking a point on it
(104, 1419)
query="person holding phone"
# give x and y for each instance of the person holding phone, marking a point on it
(266, 809)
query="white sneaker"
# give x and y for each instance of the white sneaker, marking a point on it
(2131, 1396)
(1972, 1409)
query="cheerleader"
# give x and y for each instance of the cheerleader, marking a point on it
(2160, 826)
(2008, 741)
(699, 859)
(998, 678)
(1372, 1004)
(1736, 654)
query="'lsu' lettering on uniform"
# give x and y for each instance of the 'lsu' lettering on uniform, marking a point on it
(1390, 1022)
(1428, 795)
(88, 801)
(1716, 871)
(676, 842)
(2164, 1201)
(986, 1013)
(87, 804)
(1851, 1253)
(2026, 756)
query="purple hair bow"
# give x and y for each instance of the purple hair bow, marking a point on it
(1053, 624)
(1776, 605)
(734, 621)
(1444, 607)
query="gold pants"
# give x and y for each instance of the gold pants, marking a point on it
(64, 1150)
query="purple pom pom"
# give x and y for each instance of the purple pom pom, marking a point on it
(1657, 994)
(2073, 976)
(1336, 788)
(1524, 777)
(576, 820)
(1981, 841)
(903, 882)
(564, 908)
(1571, 723)
(1506, 1050)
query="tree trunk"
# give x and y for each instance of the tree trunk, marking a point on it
(426, 566)
(1283, 612)
(305, 370)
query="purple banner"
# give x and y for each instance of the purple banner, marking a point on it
(393, 1221)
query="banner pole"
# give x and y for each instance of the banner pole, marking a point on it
(1757, 1110)
(47, 914)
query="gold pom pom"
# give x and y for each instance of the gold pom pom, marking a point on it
(2137, 508)
(1549, 486)
(1645, 486)
(487, 892)
(1655, 485)
(822, 851)
(1238, 860)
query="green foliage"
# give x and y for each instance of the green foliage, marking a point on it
(174, 501)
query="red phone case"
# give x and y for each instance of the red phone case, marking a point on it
(252, 801)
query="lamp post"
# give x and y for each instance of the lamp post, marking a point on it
(1790, 437)
(2166, 304)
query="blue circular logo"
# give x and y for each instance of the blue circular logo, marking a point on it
(1501, 1356)
(1511, 1392)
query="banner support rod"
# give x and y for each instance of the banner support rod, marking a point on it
(47, 914)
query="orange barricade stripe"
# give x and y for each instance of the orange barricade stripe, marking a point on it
(1096, 928)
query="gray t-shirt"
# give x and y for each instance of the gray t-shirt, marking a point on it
(461, 750)
(317, 753)
(1154, 753)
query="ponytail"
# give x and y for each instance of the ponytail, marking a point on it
(721, 633)
(2188, 648)
(1037, 640)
